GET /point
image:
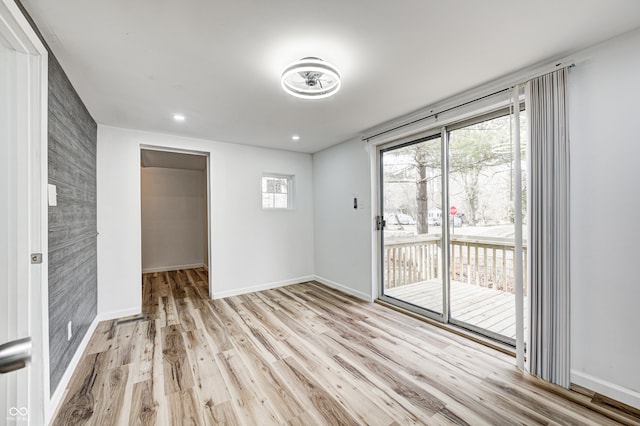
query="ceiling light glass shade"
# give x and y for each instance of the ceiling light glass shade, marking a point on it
(311, 78)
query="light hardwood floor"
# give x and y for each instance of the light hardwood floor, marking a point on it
(300, 355)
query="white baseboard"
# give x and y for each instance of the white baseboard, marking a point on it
(106, 316)
(356, 293)
(260, 287)
(606, 388)
(57, 395)
(172, 268)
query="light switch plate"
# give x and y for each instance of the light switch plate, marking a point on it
(53, 195)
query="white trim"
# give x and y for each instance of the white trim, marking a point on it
(172, 268)
(40, 124)
(111, 315)
(340, 287)
(604, 387)
(173, 150)
(209, 203)
(517, 207)
(58, 394)
(376, 236)
(16, 31)
(260, 287)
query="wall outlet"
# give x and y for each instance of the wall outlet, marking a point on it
(69, 331)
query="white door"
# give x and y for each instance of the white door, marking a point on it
(13, 237)
(22, 222)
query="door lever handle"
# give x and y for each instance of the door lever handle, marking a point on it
(14, 355)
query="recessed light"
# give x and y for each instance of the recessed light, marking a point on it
(178, 117)
(295, 137)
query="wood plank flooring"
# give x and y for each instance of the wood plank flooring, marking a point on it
(486, 308)
(297, 355)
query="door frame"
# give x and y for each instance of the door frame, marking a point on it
(443, 129)
(435, 133)
(31, 119)
(207, 155)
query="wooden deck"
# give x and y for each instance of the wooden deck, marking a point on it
(490, 309)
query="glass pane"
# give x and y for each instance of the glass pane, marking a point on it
(412, 238)
(275, 192)
(481, 221)
(280, 201)
(267, 202)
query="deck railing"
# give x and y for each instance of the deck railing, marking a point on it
(483, 262)
(412, 261)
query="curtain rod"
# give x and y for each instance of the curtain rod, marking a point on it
(435, 114)
(540, 71)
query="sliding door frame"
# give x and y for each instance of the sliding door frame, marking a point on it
(443, 132)
(413, 140)
(446, 237)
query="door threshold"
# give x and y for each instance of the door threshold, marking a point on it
(460, 331)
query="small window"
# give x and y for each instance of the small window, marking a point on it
(277, 192)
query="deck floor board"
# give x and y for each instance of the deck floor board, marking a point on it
(483, 307)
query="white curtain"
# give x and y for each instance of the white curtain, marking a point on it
(548, 340)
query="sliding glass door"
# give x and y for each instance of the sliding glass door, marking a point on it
(481, 179)
(411, 199)
(448, 244)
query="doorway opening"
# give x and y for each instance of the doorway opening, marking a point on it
(175, 206)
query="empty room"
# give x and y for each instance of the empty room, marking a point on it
(342, 213)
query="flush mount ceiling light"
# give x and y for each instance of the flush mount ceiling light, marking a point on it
(310, 78)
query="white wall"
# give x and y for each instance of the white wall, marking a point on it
(251, 248)
(605, 229)
(173, 222)
(342, 233)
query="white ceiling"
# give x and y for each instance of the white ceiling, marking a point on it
(136, 63)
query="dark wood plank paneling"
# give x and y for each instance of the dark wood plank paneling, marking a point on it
(72, 223)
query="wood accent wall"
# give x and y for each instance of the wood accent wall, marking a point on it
(73, 284)
(73, 274)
